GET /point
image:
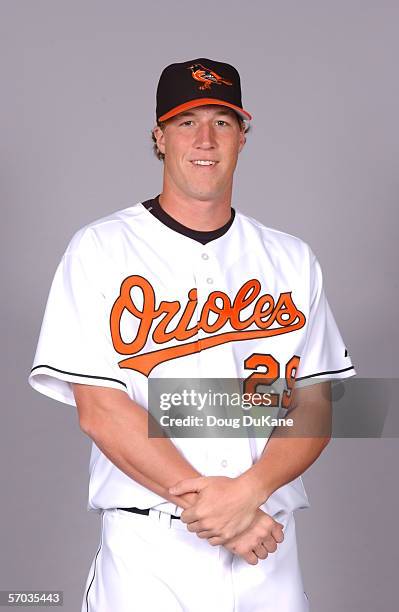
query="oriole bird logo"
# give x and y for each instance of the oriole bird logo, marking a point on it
(206, 76)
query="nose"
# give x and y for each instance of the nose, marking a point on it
(205, 136)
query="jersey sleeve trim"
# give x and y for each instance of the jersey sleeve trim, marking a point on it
(80, 375)
(56, 383)
(326, 373)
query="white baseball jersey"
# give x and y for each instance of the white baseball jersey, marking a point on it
(135, 296)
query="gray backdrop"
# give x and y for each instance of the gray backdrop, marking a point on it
(78, 88)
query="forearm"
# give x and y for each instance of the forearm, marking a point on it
(282, 460)
(292, 450)
(119, 427)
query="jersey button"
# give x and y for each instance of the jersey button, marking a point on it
(223, 463)
(209, 280)
(205, 256)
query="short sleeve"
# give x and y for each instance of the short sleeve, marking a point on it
(324, 355)
(75, 342)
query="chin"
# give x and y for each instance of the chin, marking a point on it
(204, 192)
(205, 196)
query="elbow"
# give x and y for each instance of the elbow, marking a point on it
(87, 418)
(86, 426)
(325, 440)
(86, 422)
(91, 420)
(89, 405)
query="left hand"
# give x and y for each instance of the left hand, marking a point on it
(260, 539)
(225, 506)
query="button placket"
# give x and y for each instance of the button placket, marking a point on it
(202, 280)
(209, 277)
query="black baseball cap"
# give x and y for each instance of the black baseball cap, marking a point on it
(195, 83)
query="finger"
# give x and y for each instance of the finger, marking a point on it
(216, 541)
(189, 516)
(207, 533)
(193, 526)
(188, 485)
(277, 533)
(270, 544)
(251, 558)
(260, 551)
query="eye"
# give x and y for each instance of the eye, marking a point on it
(186, 122)
(222, 121)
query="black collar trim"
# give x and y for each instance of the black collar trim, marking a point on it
(154, 207)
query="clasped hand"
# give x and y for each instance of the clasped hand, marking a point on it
(225, 507)
(226, 512)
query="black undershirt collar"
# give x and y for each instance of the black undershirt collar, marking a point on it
(154, 207)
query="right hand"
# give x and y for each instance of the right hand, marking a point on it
(258, 540)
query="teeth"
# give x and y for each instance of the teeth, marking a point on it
(202, 162)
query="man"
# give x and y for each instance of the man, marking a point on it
(185, 286)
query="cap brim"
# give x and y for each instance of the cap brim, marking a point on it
(201, 102)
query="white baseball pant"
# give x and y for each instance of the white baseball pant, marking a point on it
(153, 563)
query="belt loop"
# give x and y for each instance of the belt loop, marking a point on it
(168, 520)
(154, 515)
(164, 518)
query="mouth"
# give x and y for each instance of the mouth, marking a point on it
(203, 163)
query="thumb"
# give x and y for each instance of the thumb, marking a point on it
(189, 485)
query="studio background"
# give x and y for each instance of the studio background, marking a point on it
(77, 107)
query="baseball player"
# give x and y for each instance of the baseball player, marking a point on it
(183, 285)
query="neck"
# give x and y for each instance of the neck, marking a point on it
(201, 215)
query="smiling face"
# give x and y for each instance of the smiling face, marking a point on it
(201, 148)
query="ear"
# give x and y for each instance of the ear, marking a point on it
(242, 140)
(160, 138)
